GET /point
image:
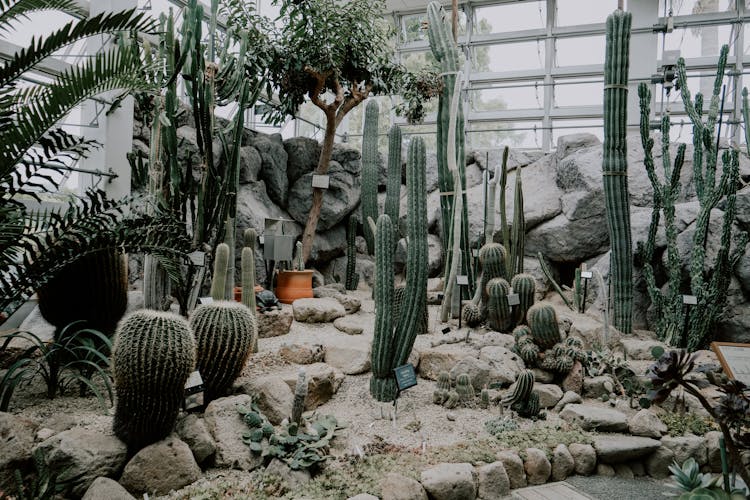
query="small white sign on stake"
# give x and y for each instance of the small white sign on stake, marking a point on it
(261, 239)
(197, 258)
(206, 300)
(475, 253)
(690, 300)
(514, 299)
(320, 181)
(462, 280)
(587, 275)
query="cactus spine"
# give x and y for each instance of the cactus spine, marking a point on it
(498, 310)
(393, 185)
(370, 170)
(352, 278)
(542, 320)
(248, 269)
(300, 394)
(221, 262)
(615, 167)
(525, 286)
(154, 353)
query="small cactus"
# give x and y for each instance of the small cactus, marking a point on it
(542, 320)
(444, 381)
(498, 310)
(452, 400)
(439, 396)
(522, 399)
(484, 398)
(472, 315)
(525, 286)
(300, 393)
(464, 388)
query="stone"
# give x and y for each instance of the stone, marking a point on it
(563, 464)
(295, 480)
(160, 468)
(394, 486)
(434, 256)
(352, 357)
(350, 326)
(478, 371)
(492, 481)
(538, 186)
(595, 387)
(573, 381)
(192, 430)
(638, 469)
(505, 365)
(104, 487)
(439, 359)
(584, 456)
(592, 418)
(641, 349)
(713, 451)
(303, 154)
(16, 442)
(537, 466)
(549, 394)
(450, 482)
(685, 447)
(734, 324)
(274, 323)
(569, 397)
(646, 423)
(624, 471)
(272, 395)
(323, 381)
(273, 166)
(564, 240)
(543, 376)
(657, 464)
(605, 470)
(568, 144)
(328, 245)
(350, 302)
(514, 468)
(317, 310)
(613, 449)
(341, 197)
(365, 267)
(363, 496)
(250, 164)
(226, 426)
(302, 354)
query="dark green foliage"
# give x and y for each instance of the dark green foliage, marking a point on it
(382, 383)
(153, 356)
(498, 311)
(248, 270)
(370, 171)
(352, 277)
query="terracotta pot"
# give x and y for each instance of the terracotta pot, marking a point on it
(238, 292)
(293, 285)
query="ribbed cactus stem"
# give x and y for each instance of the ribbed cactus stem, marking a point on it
(498, 310)
(300, 394)
(444, 381)
(393, 184)
(299, 262)
(464, 388)
(153, 355)
(525, 286)
(370, 169)
(542, 320)
(492, 257)
(615, 167)
(248, 269)
(382, 384)
(229, 239)
(352, 278)
(221, 262)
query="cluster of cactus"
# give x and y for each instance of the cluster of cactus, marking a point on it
(492, 264)
(352, 277)
(498, 310)
(462, 394)
(522, 398)
(540, 344)
(153, 356)
(710, 290)
(394, 336)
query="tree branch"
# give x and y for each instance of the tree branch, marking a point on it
(352, 102)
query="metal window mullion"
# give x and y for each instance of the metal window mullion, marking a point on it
(739, 49)
(549, 58)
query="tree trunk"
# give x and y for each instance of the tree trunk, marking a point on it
(317, 201)
(455, 20)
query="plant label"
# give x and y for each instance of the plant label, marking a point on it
(514, 299)
(320, 181)
(462, 280)
(206, 300)
(475, 253)
(587, 275)
(734, 359)
(194, 391)
(440, 296)
(690, 300)
(405, 376)
(197, 258)
(445, 330)
(261, 239)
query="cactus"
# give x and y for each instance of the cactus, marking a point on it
(393, 185)
(352, 278)
(370, 170)
(382, 383)
(248, 269)
(542, 320)
(548, 274)
(472, 315)
(464, 388)
(489, 227)
(452, 400)
(153, 355)
(615, 167)
(444, 381)
(398, 299)
(522, 399)
(525, 346)
(557, 360)
(492, 264)
(484, 398)
(525, 286)
(221, 262)
(439, 396)
(300, 394)
(299, 262)
(498, 310)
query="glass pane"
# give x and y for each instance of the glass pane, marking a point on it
(497, 134)
(566, 127)
(698, 41)
(687, 7)
(578, 92)
(572, 12)
(415, 61)
(413, 26)
(427, 132)
(497, 99)
(579, 51)
(511, 17)
(508, 57)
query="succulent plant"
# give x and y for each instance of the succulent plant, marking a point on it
(393, 184)
(542, 320)
(525, 286)
(522, 399)
(444, 381)
(464, 388)
(439, 396)
(453, 400)
(484, 398)
(472, 315)
(498, 310)
(370, 170)
(352, 278)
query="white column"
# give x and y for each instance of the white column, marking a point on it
(643, 53)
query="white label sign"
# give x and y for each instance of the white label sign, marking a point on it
(514, 299)
(206, 300)
(197, 258)
(690, 300)
(462, 280)
(261, 239)
(320, 181)
(587, 275)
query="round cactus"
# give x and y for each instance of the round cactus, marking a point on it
(224, 334)
(472, 315)
(542, 320)
(464, 388)
(525, 286)
(452, 400)
(444, 381)
(492, 261)
(153, 356)
(498, 310)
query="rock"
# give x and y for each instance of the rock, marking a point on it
(505, 365)
(434, 255)
(595, 387)
(363, 496)
(605, 470)
(322, 383)
(638, 469)
(564, 240)
(365, 267)
(450, 482)
(568, 398)
(713, 452)
(273, 166)
(563, 464)
(16, 443)
(352, 358)
(435, 360)
(329, 245)
(394, 486)
(592, 418)
(43, 434)
(513, 468)
(341, 197)
(641, 349)
(570, 143)
(537, 186)
(584, 456)
(543, 376)
(272, 395)
(493, 482)
(250, 164)
(615, 449)
(302, 354)
(646, 423)
(160, 468)
(657, 465)
(537, 467)
(549, 394)
(274, 323)
(303, 154)
(685, 447)
(734, 324)
(573, 381)
(350, 326)
(192, 430)
(624, 471)
(104, 487)
(478, 371)
(226, 426)
(350, 302)
(317, 310)
(295, 480)
(82, 454)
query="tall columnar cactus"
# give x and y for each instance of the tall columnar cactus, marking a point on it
(542, 320)
(248, 269)
(525, 286)
(370, 170)
(299, 262)
(393, 184)
(615, 167)
(221, 262)
(498, 310)
(392, 348)
(352, 278)
(489, 226)
(153, 355)
(710, 290)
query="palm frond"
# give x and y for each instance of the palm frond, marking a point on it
(11, 10)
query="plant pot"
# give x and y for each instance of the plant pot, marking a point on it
(293, 285)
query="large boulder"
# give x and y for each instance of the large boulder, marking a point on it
(450, 482)
(104, 487)
(272, 395)
(434, 255)
(394, 486)
(538, 468)
(590, 418)
(303, 154)
(321, 310)
(329, 244)
(323, 381)
(16, 443)
(273, 166)
(341, 197)
(226, 426)
(493, 482)
(615, 449)
(192, 430)
(250, 164)
(160, 468)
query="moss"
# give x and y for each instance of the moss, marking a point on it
(543, 437)
(681, 424)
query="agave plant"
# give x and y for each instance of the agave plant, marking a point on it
(691, 484)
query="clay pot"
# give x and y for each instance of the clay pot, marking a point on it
(293, 285)
(238, 292)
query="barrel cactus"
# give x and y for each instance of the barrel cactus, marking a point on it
(524, 285)
(498, 309)
(492, 264)
(525, 346)
(464, 388)
(542, 320)
(153, 356)
(522, 399)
